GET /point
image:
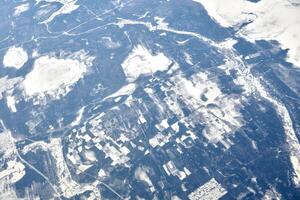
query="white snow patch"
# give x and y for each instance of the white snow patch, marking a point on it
(7, 84)
(7, 147)
(159, 140)
(34, 146)
(11, 103)
(188, 58)
(175, 127)
(219, 112)
(79, 117)
(35, 53)
(125, 90)
(15, 170)
(270, 20)
(15, 57)
(7, 191)
(90, 155)
(115, 154)
(101, 173)
(82, 168)
(171, 169)
(124, 150)
(141, 62)
(164, 124)
(272, 194)
(141, 173)
(142, 119)
(20, 9)
(54, 76)
(211, 190)
(68, 7)
(109, 43)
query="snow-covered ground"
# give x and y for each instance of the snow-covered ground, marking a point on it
(15, 57)
(254, 84)
(220, 112)
(142, 62)
(21, 8)
(8, 84)
(125, 90)
(67, 185)
(15, 170)
(11, 103)
(7, 148)
(79, 117)
(54, 76)
(210, 190)
(68, 7)
(270, 20)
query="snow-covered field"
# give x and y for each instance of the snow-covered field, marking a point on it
(53, 76)
(68, 7)
(211, 190)
(142, 62)
(270, 20)
(15, 57)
